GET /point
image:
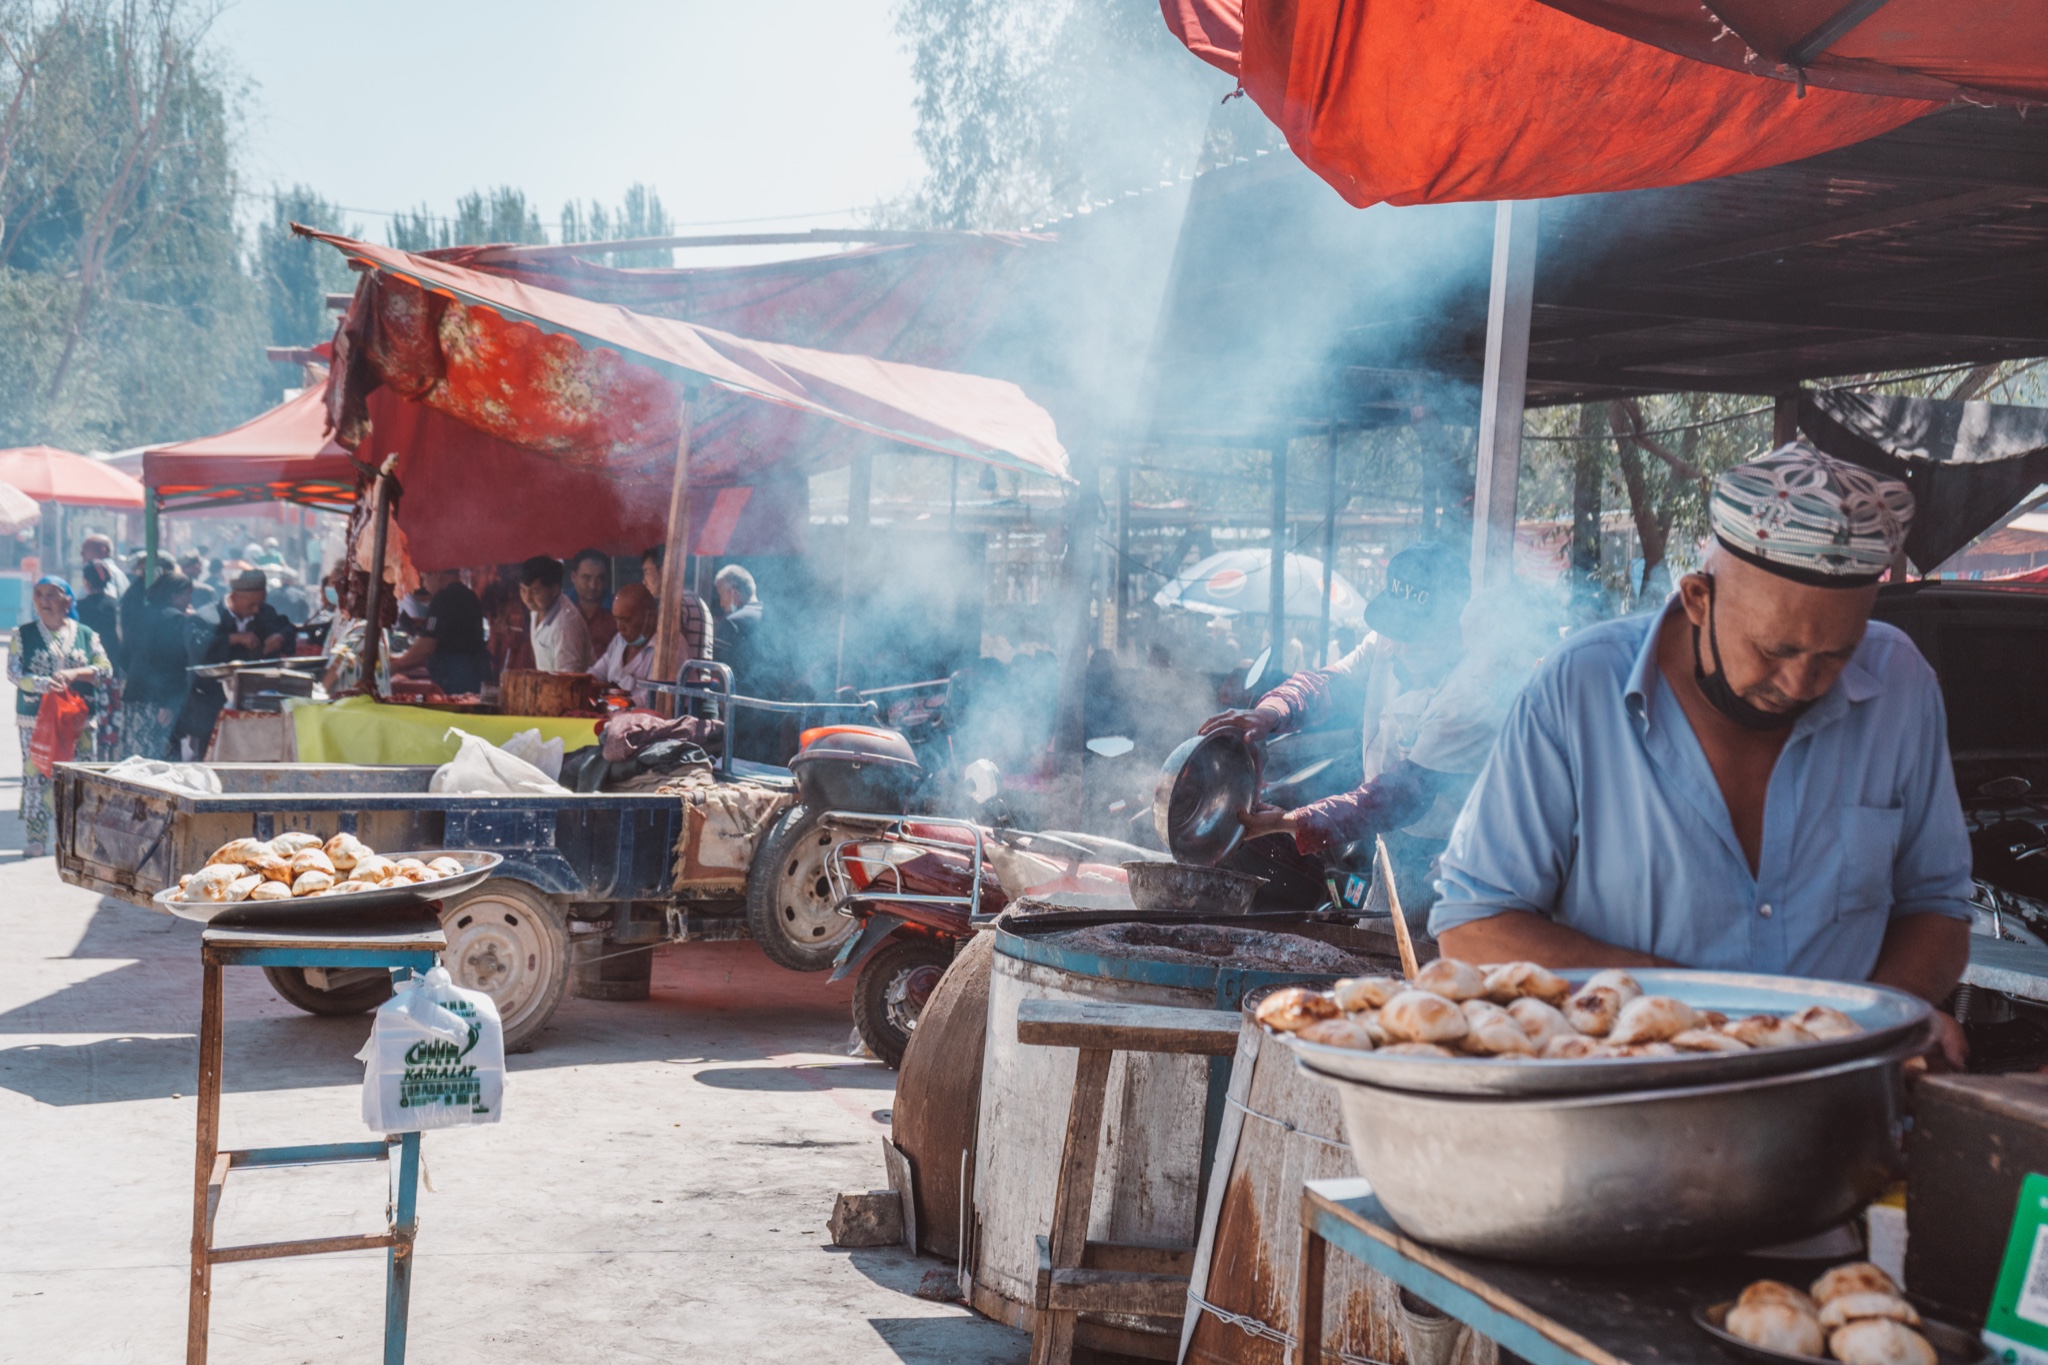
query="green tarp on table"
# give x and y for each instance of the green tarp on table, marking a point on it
(363, 730)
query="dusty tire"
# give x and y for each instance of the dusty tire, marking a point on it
(789, 901)
(892, 990)
(510, 942)
(356, 997)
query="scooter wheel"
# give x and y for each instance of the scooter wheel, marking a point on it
(892, 990)
(789, 898)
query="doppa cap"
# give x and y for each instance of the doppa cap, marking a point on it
(1811, 518)
(249, 580)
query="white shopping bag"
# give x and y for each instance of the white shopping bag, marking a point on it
(435, 1059)
(481, 768)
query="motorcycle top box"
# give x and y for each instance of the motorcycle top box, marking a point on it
(855, 768)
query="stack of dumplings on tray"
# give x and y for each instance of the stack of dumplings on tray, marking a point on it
(296, 865)
(1854, 1312)
(1522, 1010)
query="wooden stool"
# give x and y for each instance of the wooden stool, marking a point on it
(404, 945)
(1076, 1275)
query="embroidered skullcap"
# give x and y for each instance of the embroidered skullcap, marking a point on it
(1811, 518)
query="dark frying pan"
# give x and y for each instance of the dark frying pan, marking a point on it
(1205, 790)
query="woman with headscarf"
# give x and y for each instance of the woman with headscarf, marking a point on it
(52, 652)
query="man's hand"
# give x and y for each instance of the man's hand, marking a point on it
(1263, 820)
(273, 645)
(1949, 1050)
(1254, 726)
(244, 639)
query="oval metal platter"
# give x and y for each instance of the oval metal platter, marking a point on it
(1952, 1345)
(1887, 1016)
(476, 868)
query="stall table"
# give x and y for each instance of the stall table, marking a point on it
(364, 730)
(1547, 1315)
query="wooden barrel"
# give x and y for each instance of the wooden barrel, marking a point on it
(1281, 1127)
(938, 1089)
(1157, 1119)
(530, 692)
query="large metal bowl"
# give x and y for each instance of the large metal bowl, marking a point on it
(1886, 1015)
(1655, 1174)
(1178, 888)
(1204, 790)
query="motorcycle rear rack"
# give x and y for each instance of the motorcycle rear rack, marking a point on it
(895, 829)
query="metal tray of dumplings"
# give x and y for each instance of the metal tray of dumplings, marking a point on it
(476, 867)
(1952, 1345)
(1888, 1017)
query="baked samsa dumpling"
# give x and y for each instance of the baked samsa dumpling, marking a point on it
(1422, 1017)
(1491, 1031)
(1452, 979)
(240, 887)
(1338, 1032)
(1777, 1291)
(293, 842)
(1512, 981)
(1540, 1020)
(1293, 1008)
(270, 866)
(1706, 1040)
(1852, 1277)
(1369, 1020)
(1352, 994)
(1767, 1030)
(1879, 1341)
(1651, 1019)
(237, 851)
(1573, 1047)
(345, 850)
(312, 883)
(1614, 978)
(271, 891)
(211, 883)
(1823, 1022)
(1777, 1326)
(1594, 1009)
(1845, 1308)
(448, 867)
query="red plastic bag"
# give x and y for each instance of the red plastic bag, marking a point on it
(59, 721)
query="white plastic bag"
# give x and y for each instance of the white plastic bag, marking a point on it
(435, 1059)
(481, 768)
(194, 778)
(547, 757)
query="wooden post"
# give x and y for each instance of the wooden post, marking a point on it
(373, 608)
(1510, 303)
(675, 564)
(1785, 418)
(151, 511)
(1276, 589)
(1076, 598)
(1121, 574)
(860, 476)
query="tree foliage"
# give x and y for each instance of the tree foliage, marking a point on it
(125, 314)
(640, 215)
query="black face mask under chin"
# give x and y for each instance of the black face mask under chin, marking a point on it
(1723, 698)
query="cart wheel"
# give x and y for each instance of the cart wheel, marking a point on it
(789, 900)
(510, 942)
(362, 993)
(891, 991)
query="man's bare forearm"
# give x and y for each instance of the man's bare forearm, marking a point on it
(1923, 954)
(1518, 936)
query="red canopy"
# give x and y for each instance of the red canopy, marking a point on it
(283, 455)
(597, 386)
(1983, 51)
(1436, 101)
(51, 475)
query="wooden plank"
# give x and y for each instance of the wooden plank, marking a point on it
(200, 1290)
(308, 1246)
(1308, 1300)
(1076, 1187)
(418, 938)
(1236, 1094)
(668, 621)
(1127, 1028)
(1143, 1259)
(1118, 1291)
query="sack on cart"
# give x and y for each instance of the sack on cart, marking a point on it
(435, 1059)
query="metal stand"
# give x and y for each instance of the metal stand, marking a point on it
(404, 948)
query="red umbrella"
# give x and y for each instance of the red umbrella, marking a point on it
(1440, 101)
(51, 475)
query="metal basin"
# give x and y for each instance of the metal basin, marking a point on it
(1204, 790)
(1658, 1174)
(1182, 889)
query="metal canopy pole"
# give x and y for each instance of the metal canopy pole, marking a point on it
(1122, 575)
(1329, 553)
(152, 510)
(668, 623)
(1510, 302)
(1276, 605)
(860, 482)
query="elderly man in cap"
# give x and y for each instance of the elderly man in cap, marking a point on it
(249, 628)
(1429, 710)
(1754, 778)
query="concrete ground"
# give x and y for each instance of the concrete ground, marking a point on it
(657, 1191)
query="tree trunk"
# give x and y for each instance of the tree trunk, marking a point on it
(1652, 529)
(1587, 475)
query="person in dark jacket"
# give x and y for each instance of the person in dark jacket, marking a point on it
(154, 691)
(249, 628)
(100, 607)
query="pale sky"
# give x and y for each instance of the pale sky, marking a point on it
(787, 111)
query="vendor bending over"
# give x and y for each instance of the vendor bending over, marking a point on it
(1755, 778)
(1430, 712)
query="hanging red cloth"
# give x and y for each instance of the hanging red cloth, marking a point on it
(1439, 101)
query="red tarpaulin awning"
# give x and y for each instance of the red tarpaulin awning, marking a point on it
(51, 475)
(1439, 101)
(596, 385)
(283, 455)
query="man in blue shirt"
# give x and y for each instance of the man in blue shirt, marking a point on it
(1755, 778)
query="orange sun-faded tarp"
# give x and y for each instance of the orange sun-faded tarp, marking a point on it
(1440, 101)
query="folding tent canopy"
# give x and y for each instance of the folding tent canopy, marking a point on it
(283, 455)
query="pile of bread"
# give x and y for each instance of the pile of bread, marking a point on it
(1854, 1311)
(1522, 1010)
(296, 865)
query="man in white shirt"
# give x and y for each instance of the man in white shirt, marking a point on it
(561, 642)
(628, 661)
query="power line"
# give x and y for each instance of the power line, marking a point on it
(441, 220)
(1664, 431)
